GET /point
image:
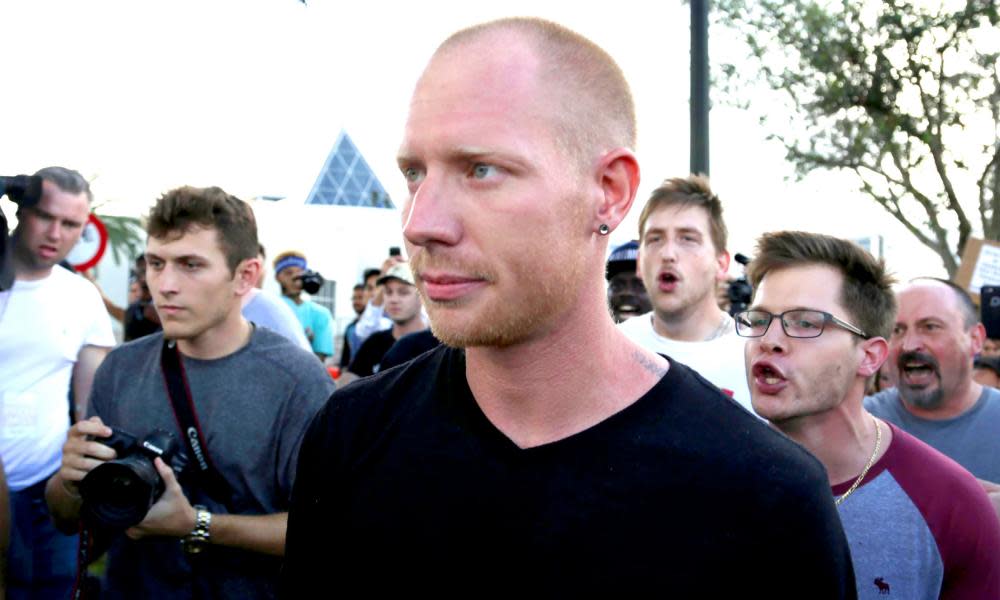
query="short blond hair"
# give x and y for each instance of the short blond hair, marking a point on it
(598, 110)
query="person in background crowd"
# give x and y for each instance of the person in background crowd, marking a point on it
(252, 392)
(54, 332)
(141, 318)
(816, 334)
(316, 320)
(358, 303)
(627, 295)
(403, 307)
(991, 348)
(538, 448)
(373, 318)
(266, 309)
(986, 371)
(682, 257)
(934, 342)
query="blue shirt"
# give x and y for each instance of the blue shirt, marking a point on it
(317, 322)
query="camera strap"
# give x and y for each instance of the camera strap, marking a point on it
(187, 419)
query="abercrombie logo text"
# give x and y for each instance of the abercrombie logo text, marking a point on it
(193, 437)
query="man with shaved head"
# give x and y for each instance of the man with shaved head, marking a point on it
(538, 450)
(934, 343)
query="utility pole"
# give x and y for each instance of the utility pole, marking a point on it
(699, 86)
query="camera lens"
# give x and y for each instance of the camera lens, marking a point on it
(118, 493)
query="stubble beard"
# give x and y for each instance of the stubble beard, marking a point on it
(686, 307)
(504, 322)
(827, 393)
(925, 399)
(31, 262)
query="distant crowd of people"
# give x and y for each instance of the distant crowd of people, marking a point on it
(519, 407)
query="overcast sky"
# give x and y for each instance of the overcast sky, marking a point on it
(251, 94)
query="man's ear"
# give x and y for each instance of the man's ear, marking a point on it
(617, 174)
(875, 350)
(977, 335)
(247, 273)
(722, 266)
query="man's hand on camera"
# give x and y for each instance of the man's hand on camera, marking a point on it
(82, 452)
(172, 515)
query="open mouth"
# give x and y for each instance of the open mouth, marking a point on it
(917, 369)
(767, 378)
(668, 281)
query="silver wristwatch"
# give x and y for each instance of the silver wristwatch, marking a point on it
(196, 541)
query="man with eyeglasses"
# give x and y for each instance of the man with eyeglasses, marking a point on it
(816, 332)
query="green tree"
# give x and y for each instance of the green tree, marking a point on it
(904, 94)
(126, 238)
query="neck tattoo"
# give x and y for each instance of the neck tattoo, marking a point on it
(871, 461)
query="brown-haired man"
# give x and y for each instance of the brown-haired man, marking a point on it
(253, 393)
(816, 333)
(540, 451)
(682, 259)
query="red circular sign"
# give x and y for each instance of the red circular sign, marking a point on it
(93, 242)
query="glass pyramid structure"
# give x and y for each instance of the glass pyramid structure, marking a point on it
(347, 180)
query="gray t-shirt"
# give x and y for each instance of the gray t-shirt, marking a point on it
(253, 407)
(268, 310)
(971, 439)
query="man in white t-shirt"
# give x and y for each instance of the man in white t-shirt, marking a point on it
(54, 332)
(682, 257)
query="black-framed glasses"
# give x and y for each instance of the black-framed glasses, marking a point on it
(799, 323)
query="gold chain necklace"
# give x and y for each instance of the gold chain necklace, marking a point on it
(871, 461)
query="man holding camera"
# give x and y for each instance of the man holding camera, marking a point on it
(289, 269)
(682, 257)
(245, 397)
(54, 332)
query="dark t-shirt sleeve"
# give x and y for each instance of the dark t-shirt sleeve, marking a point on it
(371, 351)
(407, 348)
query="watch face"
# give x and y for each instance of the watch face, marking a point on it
(193, 544)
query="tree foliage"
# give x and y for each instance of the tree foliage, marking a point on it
(126, 238)
(904, 94)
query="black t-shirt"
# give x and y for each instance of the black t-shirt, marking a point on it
(408, 347)
(370, 354)
(136, 323)
(403, 483)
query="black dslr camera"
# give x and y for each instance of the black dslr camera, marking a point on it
(119, 493)
(311, 281)
(740, 292)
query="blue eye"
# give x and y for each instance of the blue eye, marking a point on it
(483, 170)
(413, 175)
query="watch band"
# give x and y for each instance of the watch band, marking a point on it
(195, 541)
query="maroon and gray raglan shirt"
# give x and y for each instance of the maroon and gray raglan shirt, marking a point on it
(921, 526)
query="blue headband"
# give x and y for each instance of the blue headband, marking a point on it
(290, 261)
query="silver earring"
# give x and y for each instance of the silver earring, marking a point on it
(604, 229)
